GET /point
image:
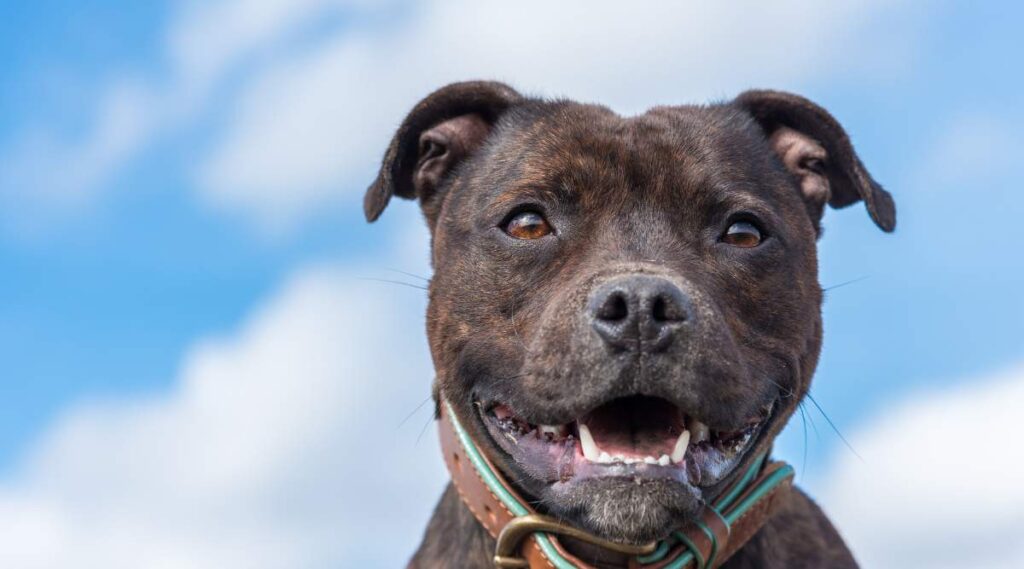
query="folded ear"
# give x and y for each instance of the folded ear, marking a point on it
(440, 131)
(815, 148)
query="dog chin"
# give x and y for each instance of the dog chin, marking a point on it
(626, 510)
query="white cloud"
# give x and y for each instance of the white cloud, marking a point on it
(45, 170)
(278, 446)
(207, 39)
(940, 483)
(310, 129)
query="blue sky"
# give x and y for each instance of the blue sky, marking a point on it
(167, 169)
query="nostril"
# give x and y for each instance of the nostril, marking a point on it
(666, 310)
(658, 310)
(614, 308)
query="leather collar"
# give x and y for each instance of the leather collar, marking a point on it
(526, 539)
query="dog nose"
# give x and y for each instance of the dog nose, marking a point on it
(639, 312)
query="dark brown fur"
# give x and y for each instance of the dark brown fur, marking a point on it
(646, 195)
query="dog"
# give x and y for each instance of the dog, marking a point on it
(603, 284)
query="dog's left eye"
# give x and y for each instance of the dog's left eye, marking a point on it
(528, 225)
(743, 234)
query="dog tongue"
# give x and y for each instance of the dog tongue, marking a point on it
(636, 426)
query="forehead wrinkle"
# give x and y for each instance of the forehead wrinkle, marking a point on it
(580, 156)
(720, 153)
(706, 135)
(724, 201)
(527, 191)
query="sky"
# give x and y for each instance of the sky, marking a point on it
(197, 371)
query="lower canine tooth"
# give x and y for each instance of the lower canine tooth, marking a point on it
(588, 446)
(680, 449)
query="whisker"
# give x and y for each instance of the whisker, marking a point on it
(406, 273)
(814, 427)
(803, 420)
(788, 390)
(424, 429)
(842, 284)
(413, 412)
(410, 285)
(831, 424)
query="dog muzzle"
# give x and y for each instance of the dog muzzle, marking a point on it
(527, 539)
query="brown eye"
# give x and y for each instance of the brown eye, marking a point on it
(528, 225)
(742, 234)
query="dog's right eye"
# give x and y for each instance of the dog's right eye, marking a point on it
(528, 225)
(743, 234)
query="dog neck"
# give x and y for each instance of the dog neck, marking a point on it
(526, 539)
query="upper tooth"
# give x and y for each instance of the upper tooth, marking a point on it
(700, 431)
(680, 449)
(555, 431)
(587, 444)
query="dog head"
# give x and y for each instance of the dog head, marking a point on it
(624, 311)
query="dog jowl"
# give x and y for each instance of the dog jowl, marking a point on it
(624, 311)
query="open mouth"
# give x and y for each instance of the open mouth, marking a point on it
(635, 436)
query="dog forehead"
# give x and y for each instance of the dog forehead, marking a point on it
(592, 150)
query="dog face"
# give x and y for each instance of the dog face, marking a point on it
(624, 311)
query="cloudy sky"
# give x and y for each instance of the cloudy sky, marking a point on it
(195, 370)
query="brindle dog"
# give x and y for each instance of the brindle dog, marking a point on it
(632, 277)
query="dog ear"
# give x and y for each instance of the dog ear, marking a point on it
(814, 147)
(440, 131)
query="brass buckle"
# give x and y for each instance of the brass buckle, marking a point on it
(519, 528)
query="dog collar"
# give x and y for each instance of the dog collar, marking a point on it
(526, 539)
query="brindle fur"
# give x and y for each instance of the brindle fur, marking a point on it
(649, 194)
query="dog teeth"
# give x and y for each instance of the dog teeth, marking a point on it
(551, 432)
(679, 451)
(700, 431)
(593, 453)
(589, 447)
(605, 458)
